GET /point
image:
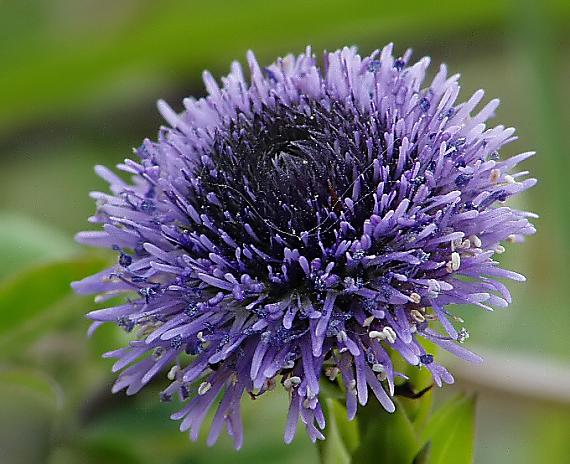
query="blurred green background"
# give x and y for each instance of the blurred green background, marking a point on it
(78, 85)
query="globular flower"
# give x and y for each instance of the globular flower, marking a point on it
(311, 220)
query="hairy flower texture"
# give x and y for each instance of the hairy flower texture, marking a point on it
(312, 219)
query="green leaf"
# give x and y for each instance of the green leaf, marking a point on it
(25, 241)
(420, 380)
(418, 409)
(423, 455)
(39, 298)
(342, 435)
(387, 438)
(451, 432)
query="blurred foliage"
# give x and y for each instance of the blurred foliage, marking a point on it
(23, 241)
(50, 303)
(412, 434)
(77, 87)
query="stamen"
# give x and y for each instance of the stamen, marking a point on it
(378, 368)
(390, 334)
(462, 335)
(475, 241)
(386, 334)
(415, 298)
(291, 382)
(377, 335)
(204, 388)
(455, 261)
(417, 315)
(342, 337)
(172, 372)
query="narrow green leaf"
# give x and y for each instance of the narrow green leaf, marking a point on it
(451, 432)
(418, 409)
(419, 382)
(423, 454)
(348, 429)
(342, 436)
(387, 438)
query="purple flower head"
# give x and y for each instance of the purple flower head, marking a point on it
(310, 220)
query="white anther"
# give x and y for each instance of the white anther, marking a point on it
(509, 179)
(368, 321)
(378, 368)
(289, 365)
(463, 335)
(512, 238)
(390, 334)
(341, 336)
(172, 372)
(307, 403)
(417, 316)
(455, 261)
(499, 249)
(465, 244)
(495, 175)
(415, 298)
(377, 335)
(476, 241)
(433, 287)
(200, 336)
(295, 380)
(291, 382)
(204, 388)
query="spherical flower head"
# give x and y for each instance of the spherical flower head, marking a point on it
(314, 219)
